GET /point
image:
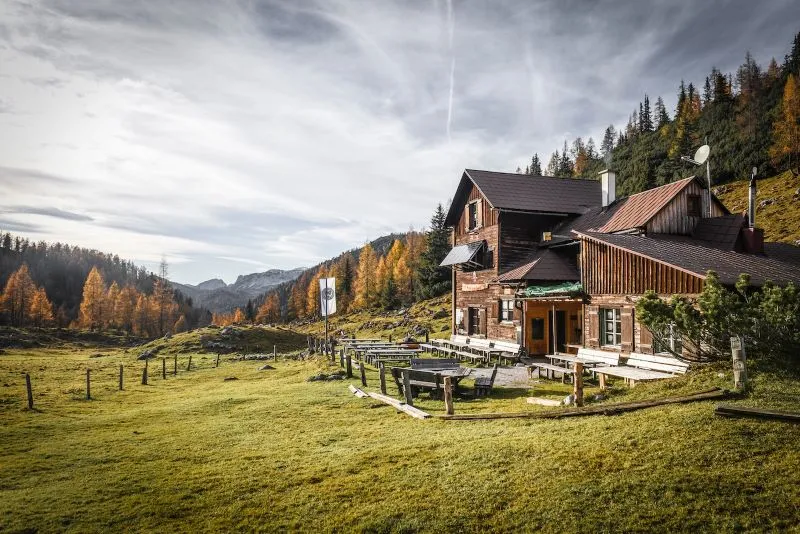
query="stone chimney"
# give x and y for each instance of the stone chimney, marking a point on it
(608, 186)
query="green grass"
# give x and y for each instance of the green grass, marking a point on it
(271, 451)
(432, 315)
(779, 219)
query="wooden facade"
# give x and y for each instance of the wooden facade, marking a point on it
(609, 270)
(677, 218)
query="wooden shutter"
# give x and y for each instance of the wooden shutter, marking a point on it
(479, 213)
(645, 339)
(465, 319)
(466, 218)
(593, 333)
(496, 310)
(627, 329)
(482, 320)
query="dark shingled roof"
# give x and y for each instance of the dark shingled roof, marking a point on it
(779, 264)
(544, 264)
(523, 192)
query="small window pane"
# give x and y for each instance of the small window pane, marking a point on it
(537, 329)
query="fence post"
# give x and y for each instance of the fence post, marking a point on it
(175, 370)
(349, 363)
(120, 376)
(88, 386)
(189, 366)
(739, 363)
(29, 390)
(407, 387)
(578, 384)
(274, 352)
(363, 374)
(382, 370)
(427, 337)
(164, 368)
(448, 395)
(341, 358)
(144, 374)
(216, 364)
(390, 337)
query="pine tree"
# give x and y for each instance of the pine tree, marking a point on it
(92, 309)
(785, 151)
(662, 117)
(647, 118)
(554, 165)
(535, 168)
(433, 279)
(607, 146)
(250, 311)
(18, 296)
(565, 168)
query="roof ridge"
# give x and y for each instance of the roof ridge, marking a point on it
(563, 178)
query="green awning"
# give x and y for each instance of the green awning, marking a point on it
(564, 288)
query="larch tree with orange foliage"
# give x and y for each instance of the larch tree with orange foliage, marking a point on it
(238, 316)
(41, 312)
(270, 310)
(366, 295)
(312, 294)
(124, 306)
(94, 298)
(109, 317)
(18, 296)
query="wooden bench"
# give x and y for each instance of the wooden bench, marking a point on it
(643, 367)
(507, 350)
(434, 363)
(484, 384)
(606, 357)
(550, 370)
(419, 380)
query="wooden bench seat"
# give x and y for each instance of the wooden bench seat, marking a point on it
(483, 384)
(642, 367)
(434, 363)
(550, 370)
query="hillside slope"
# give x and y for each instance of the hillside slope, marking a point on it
(777, 207)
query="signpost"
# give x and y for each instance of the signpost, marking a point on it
(327, 297)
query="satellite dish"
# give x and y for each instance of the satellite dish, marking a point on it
(702, 154)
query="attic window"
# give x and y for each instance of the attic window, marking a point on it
(473, 215)
(693, 206)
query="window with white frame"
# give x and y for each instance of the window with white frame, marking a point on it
(670, 343)
(610, 326)
(473, 215)
(506, 310)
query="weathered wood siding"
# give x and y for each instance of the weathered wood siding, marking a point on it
(608, 270)
(674, 218)
(519, 234)
(487, 216)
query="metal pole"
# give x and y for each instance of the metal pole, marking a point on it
(708, 179)
(325, 300)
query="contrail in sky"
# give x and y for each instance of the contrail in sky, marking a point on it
(451, 22)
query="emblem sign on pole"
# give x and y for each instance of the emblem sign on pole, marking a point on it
(327, 296)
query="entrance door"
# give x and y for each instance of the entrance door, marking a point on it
(561, 331)
(474, 322)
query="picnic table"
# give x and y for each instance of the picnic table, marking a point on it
(428, 380)
(398, 354)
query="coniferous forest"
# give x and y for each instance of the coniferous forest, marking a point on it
(750, 118)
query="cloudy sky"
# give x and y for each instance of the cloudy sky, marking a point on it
(235, 136)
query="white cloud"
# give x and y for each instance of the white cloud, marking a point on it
(231, 134)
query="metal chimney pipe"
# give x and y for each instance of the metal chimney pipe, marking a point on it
(751, 213)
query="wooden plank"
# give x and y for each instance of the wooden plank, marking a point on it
(610, 409)
(357, 392)
(405, 408)
(756, 413)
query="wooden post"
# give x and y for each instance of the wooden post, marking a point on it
(349, 365)
(274, 352)
(578, 383)
(175, 369)
(390, 337)
(189, 366)
(216, 363)
(88, 386)
(602, 379)
(164, 368)
(448, 395)
(144, 374)
(382, 371)
(407, 387)
(29, 390)
(341, 358)
(427, 337)
(363, 374)
(739, 363)
(120, 376)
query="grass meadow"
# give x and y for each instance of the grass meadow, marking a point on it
(273, 452)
